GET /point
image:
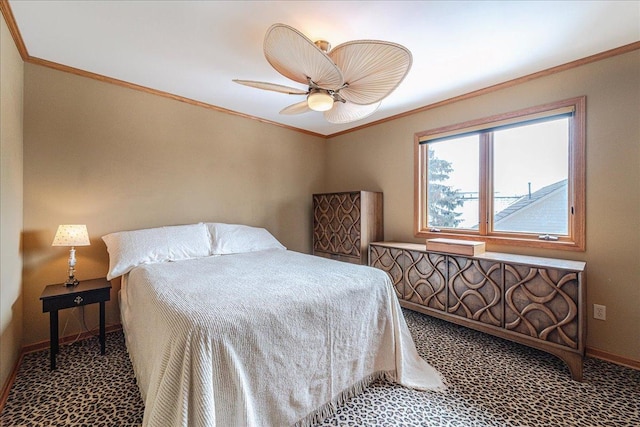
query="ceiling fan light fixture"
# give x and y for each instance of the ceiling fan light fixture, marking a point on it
(346, 83)
(319, 100)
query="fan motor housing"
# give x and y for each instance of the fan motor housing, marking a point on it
(323, 45)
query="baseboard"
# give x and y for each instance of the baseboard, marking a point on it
(4, 393)
(69, 338)
(613, 358)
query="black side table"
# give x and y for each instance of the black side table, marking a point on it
(58, 297)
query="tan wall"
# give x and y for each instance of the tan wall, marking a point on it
(11, 85)
(380, 158)
(119, 159)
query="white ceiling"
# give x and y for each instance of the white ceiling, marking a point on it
(194, 49)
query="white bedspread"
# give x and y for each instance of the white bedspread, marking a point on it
(266, 338)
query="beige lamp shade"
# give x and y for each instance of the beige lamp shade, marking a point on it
(71, 235)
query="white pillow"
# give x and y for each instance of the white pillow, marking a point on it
(128, 249)
(236, 239)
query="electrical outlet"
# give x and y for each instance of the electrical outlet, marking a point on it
(599, 312)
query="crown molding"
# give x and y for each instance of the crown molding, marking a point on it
(13, 29)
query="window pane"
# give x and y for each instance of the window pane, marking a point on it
(453, 183)
(531, 167)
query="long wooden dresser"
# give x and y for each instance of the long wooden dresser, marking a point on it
(539, 302)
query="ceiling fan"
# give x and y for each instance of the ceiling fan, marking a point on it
(347, 83)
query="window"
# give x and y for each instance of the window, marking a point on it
(516, 178)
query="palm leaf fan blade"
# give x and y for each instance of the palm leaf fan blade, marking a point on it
(296, 57)
(272, 87)
(371, 68)
(297, 108)
(345, 112)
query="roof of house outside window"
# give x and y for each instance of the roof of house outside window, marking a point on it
(543, 211)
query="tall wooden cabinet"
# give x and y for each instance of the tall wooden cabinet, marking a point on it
(345, 223)
(534, 301)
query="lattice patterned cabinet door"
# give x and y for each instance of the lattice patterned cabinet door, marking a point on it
(543, 303)
(344, 224)
(425, 278)
(348, 226)
(322, 218)
(475, 289)
(336, 225)
(392, 261)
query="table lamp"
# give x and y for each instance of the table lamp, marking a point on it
(71, 235)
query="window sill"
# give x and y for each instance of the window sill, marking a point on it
(561, 244)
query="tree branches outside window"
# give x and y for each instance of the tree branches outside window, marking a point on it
(443, 199)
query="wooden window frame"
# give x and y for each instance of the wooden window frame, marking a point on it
(576, 237)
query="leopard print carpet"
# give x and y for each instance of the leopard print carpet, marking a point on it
(86, 389)
(491, 382)
(494, 382)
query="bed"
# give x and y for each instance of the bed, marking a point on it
(226, 327)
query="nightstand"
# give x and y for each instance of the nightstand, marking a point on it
(58, 297)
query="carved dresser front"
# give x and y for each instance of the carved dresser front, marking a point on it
(345, 223)
(539, 302)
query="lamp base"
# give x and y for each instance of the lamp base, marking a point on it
(71, 281)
